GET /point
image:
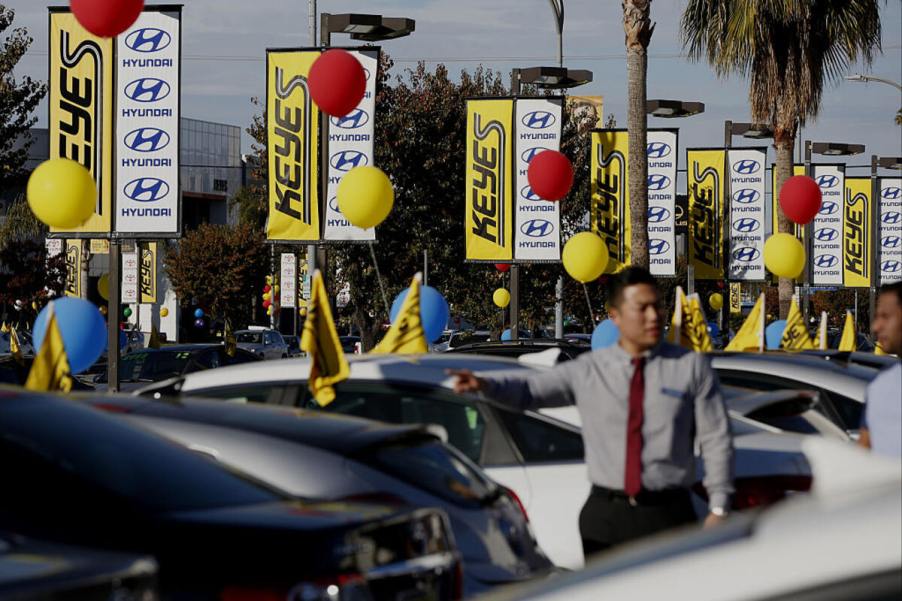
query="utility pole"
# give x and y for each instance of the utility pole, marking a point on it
(311, 32)
(558, 7)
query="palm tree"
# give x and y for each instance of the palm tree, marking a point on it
(638, 28)
(788, 49)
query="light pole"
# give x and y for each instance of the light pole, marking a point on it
(549, 78)
(868, 78)
(558, 7)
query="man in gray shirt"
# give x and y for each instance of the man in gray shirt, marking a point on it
(644, 404)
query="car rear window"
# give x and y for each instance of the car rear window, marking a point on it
(540, 441)
(152, 366)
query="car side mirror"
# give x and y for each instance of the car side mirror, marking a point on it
(438, 431)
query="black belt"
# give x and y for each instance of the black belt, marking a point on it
(644, 497)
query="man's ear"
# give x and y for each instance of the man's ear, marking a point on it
(614, 315)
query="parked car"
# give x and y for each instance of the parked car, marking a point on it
(833, 545)
(294, 345)
(26, 344)
(14, 372)
(519, 348)
(537, 455)
(799, 411)
(314, 455)
(857, 358)
(75, 475)
(33, 570)
(139, 368)
(263, 342)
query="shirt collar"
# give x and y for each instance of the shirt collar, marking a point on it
(624, 357)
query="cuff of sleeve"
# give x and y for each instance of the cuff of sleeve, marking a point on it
(719, 499)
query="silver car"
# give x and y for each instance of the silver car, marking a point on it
(262, 342)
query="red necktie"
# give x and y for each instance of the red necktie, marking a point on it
(633, 477)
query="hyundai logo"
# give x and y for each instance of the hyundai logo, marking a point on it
(146, 189)
(147, 139)
(656, 246)
(353, 120)
(828, 208)
(658, 214)
(826, 234)
(658, 182)
(827, 181)
(746, 166)
(746, 254)
(530, 153)
(826, 261)
(746, 196)
(333, 204)
(891, 193)
(891, 217)
(528, 194)
(149, 39)
(348, 159)
(891, 242)
(537, 228)
(890, 266)
(538, 120)
(147, 89)
(746, 225)
(657, 150)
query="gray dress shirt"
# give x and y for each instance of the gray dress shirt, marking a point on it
(682, 403)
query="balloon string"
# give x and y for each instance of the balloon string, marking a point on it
(589, 304)
(379, 277)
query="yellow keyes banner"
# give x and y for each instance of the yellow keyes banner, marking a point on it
(81, 109)
(147, 280)
(489, 216)
(706, 212)
(857, 255)
(775, 201)
(735, 299)
(292, 125)
(73, 267)
(609, 210)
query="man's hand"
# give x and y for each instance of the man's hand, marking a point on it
(465, 381)
(712, 520)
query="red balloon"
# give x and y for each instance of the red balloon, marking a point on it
(106, 18)
(550, 175)
(267, 288)
(337, 82)
(503, 267)
(800, 199)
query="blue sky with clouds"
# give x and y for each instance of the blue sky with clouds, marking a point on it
(225, 41)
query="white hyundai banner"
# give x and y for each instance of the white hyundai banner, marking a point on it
(538, 222)
(827, 231)
(288, 276)
(747, 213)
(148, 64)
(890, 228)
(351, 145)
(661, 151)
(129, 278)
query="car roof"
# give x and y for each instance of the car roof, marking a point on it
(746, 403)
(179, 348)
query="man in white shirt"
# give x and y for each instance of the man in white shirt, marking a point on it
(881, 427)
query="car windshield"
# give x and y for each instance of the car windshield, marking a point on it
(146, 366)
(467, 338)
(249, 337)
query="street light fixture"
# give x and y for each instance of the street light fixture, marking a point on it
(833, 149)
(669, 109)
(754, 131)
(369, 28)
(868, 78)
(889, 162)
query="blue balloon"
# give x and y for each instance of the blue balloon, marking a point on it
(606, 333)
(198, 313)
(82, 327)
(773, 334)
(434, 311)
(713, 329)
(506, 335)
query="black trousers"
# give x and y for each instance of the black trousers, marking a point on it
(610, 518)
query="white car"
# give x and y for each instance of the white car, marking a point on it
(841, 543)
(537, 456)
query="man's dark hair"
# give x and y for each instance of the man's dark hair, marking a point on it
(630, 276)
(894, 288)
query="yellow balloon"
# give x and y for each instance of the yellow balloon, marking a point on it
(103, 310)
(716, 301)
(269, 310)
(303, 311)
(61, 193)
(269, 279)
(365, 196)
(34, 305)
(784, 255)
(585, 257)
(267, 296)
(103, 286)
(164, 312)
(501, 298)
(276, 288)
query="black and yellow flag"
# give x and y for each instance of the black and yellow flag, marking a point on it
(688, 328)
(328, 364)
(848, 340)
(406, 335)
(15, 348)
(50, 370)
(231, 344)
(795, 334)
(750, 336)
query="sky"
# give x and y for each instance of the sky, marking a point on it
(225, 41)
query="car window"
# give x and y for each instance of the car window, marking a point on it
(541, 441)
(249, 337)
(208, 359)
(243, 393)
(152, 366)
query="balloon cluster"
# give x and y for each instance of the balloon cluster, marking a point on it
(800, 200)
(271, 295)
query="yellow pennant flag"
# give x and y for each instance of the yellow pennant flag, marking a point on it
(848, 342)
(50, 370)
(822, 332)
(231, 344)
(15, 348)
(750, 336)
(4, 329)
(406, 335)
(878, 350)
(795, 335)
(674, 336)
(695, 329)
(328, 364)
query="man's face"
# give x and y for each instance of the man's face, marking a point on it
(639, 316)
(887, 324)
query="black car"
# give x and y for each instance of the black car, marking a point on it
(75, 475)
(517, 348)
(32, 570)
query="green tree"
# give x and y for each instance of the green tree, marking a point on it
(28, 280)
(788, 50)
